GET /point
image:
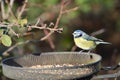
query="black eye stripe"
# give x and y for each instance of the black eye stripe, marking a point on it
(80, 35)
(77, 36)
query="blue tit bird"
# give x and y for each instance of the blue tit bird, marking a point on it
(86, 42)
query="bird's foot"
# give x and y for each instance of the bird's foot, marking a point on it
(81, 52)
(90, 54)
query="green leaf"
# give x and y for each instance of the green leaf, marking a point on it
(6, 40)
(1, 32)
(22, 22)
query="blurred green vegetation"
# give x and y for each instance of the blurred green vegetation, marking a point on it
(92, 15)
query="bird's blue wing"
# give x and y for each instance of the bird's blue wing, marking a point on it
(96, 40)
(91, 38)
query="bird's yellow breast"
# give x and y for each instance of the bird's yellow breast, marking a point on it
(84, 44)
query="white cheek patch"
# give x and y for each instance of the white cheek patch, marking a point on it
(77, 34)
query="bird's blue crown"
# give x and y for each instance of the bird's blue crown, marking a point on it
(78, 33)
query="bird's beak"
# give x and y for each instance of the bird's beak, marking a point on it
(72, 33)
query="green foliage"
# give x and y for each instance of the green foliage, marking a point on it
(67, 17)
(109, 3)
(33, 13)
(22, 22)
(1, 32)
(36, 1)
(66, 42)
(86, 5)
(6, 40)
(50, 2)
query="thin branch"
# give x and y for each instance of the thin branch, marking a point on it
(98, 32)
(22, 10)
(2, 10)
(51, 24)
(37, 22)
(43, 27)
(73, 9)
(11, 11)
(50, 41)
(14, 32)
(37, 27)
(9, 25)
(57, 21)
(46, 28)
(60, 15)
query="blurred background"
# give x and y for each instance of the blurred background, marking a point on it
(91, 16)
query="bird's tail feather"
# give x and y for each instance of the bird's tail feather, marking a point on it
(103, 42)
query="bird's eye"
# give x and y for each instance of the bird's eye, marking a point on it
(80, 35)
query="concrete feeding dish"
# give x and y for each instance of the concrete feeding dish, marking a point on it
(52, 66)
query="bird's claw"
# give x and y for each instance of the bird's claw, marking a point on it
(81, 52)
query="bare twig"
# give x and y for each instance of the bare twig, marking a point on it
(67, 11)
(11, 11)
(60, 14)
(59, 17)
(44, 27)
(57, 21)
(49, 40)
(9, 25)
(14, 32)
(22, 10)
(37, 22)
(51, 24)
(2, 10)
(98, 32)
